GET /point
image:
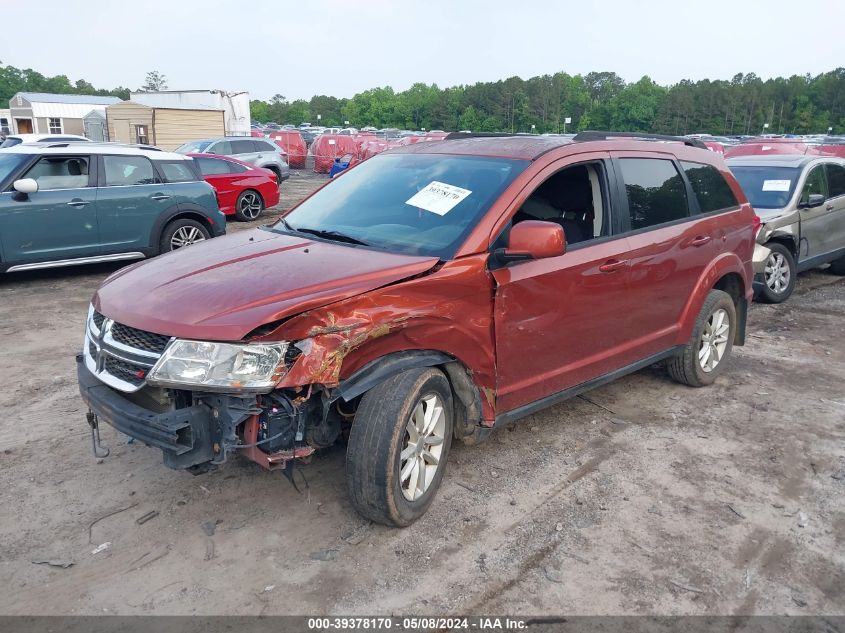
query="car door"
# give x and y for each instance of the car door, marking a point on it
(57, 222)
(670, 247)
(816, 222)
(245, 150)
(562, 321)
(836, 205)
(130, 199)
(219, 174)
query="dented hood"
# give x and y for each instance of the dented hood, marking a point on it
(223, 288)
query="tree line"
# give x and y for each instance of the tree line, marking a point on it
(800, 104)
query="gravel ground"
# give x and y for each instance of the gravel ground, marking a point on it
(641, 497)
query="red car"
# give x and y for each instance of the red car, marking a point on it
(430, 294)
(243, 190)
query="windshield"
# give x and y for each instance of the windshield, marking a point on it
(10, 162)
(766, 187)
(418, 204)
(10, 141)
(194, 147)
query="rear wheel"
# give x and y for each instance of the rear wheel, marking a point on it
(249, 206)
(182, 232)
(398, 446)
(779, 275)
(703, 357)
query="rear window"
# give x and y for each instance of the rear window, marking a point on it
(710, 188)
(242, 147)
(176, 171)
(128, 170)
(836, 180)
(656, 193)
(10, 141)
(766, 187)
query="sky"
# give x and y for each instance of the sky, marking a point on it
(298, 49)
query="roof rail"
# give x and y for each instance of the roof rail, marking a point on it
(583, 137)
(455, 135)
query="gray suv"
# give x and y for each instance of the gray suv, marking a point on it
(801, 204)
(256, 151)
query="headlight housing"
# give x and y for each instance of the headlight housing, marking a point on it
(211, 366)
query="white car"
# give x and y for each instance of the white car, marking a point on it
(18, 139)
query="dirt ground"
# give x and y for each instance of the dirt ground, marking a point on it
(642, 497)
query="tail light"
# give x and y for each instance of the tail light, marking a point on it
(756, 224)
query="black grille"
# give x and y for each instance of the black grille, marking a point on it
(125, 371)
(98, 319)
(92, 350)
(139, 339)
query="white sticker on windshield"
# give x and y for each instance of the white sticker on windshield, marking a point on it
(776, 185)
(438, 197)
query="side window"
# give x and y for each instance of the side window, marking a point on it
(263, 146)
(236, 168)
(223, 148)
(212, 167)
(836, 179)
(128, 170)
(176, 171)
(815, 183)
(574, 198)
(656, 193)
(709, 186)
(242, 147)
(60, 172)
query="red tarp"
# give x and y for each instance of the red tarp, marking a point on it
(294, 145)
(327, 147)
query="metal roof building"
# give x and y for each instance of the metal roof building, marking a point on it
(45, 113)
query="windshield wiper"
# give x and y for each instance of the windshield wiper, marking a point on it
(329, 235)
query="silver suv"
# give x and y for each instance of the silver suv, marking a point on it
(801, 204)
(256, 151)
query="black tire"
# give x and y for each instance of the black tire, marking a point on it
(772, 291)
(837, 267)
(249, 205)
(182, 226)
(686, 367)
(377, 438)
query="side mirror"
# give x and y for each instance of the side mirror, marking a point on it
(533, 239)
(813, 201)
(25, 185)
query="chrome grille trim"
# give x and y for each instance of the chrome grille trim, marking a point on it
(100, 350)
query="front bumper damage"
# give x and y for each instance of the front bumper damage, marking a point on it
(759, 259)
(193, 436)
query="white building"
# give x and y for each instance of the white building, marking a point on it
(43, 113)
(235, 105)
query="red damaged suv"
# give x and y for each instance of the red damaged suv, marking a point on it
(433, 292)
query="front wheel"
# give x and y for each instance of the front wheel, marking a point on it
(182, 232)
(779, 275)
(249, 206)
(398, 446)
(703, 357)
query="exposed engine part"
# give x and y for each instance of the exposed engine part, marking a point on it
(280, 424)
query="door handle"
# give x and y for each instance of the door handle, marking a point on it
(160, 196)
(612, 265)
(78, 203)
(701, 240)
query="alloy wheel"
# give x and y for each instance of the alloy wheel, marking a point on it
(777, 273)
(422, 447)
(714, 340)
(250, 206)
(185, 236)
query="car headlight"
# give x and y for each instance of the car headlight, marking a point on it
(220, 366)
